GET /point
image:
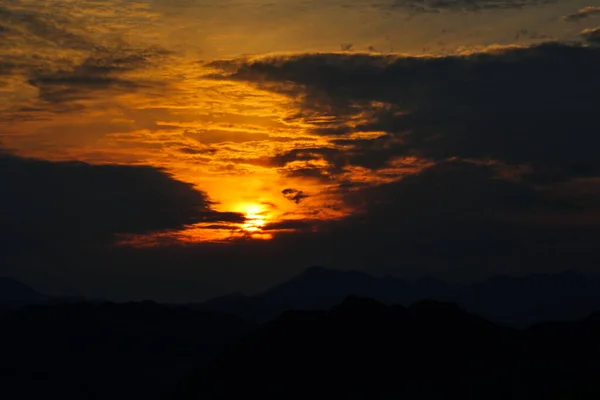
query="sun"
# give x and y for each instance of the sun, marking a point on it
(255, 218)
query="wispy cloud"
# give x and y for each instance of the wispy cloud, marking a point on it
(591, 36)
(584, 13)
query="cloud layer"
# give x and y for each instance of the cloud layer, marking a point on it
(473, 150)
(584, 13)
(592, 35)
(520, 106)
(69, 203)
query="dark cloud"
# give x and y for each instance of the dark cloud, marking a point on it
(368, 153)
(101, 71)
(584, 13)
(452, 218)
(449, 190)
(311, 172)
(298, 225)
(305, 154)
(294, 195)
(307, 162)
(69, 203)
(224, 227)
(523, 105)
(449, 194)
(196, 151)
(27, 24)
(439, 6)
(591, 36)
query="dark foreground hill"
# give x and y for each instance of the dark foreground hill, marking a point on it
(366, 350)
(107, 351)
(514, 301)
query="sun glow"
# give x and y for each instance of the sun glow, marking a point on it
(256, 218)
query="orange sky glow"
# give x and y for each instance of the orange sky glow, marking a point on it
(219, 135)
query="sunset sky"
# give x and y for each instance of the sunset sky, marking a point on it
(180, 149)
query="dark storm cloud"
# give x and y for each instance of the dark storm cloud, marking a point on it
(592, 36)
(75, 202)
(517, 105)
(584, 13)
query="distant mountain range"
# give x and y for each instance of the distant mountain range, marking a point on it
(514, 301)
(15, 294)
(320, 340)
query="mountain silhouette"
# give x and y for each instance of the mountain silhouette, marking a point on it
(516, 301)
(359, 347)
(365, 349)
(16, 294)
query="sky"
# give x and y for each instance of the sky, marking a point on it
(182, 149)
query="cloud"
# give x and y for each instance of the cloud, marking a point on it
(448, 190)
(101, 71)
(449, 194)
(213, 136)
(70, 203)
(462, 106)
(437, 6)
(297, 225)
(194, 151)
(452, 217)
(328, 162)
(294, 195)
(583, 13)
(21, 24)
(591, 36)
(309, 172)
(73, 54)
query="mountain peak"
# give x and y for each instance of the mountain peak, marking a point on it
(16, 293)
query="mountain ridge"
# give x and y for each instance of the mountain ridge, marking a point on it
(510, 300)
(14, 293)
(362, 348)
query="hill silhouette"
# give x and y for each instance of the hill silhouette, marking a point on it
(365, 349)
(359, 347)
(107, 351)
(16, 294)
(515, 301)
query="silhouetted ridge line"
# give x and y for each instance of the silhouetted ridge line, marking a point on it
(362, 348)
(15, 294)
(516, 301)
